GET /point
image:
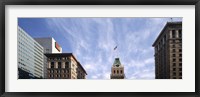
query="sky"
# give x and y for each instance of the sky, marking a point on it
(92, 42)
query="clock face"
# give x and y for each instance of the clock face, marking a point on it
(117, 65)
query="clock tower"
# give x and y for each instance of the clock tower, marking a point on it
(117, 70)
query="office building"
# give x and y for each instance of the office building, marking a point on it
(29, 56)
(117, 70)
(50, 46)
(168, 52)
(64, 66)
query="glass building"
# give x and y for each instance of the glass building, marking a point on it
(30, 56)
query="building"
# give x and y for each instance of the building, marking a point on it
(50, 46)
(29, 56)
(117, 70)
(168, 52)
(64, 66)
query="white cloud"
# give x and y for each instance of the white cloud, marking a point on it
(92, 41)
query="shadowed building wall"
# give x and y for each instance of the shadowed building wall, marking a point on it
(168, 52)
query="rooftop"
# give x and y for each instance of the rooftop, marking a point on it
(162, 31)
(117, 62)
(64, 55)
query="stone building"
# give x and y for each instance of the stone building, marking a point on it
(168, 52)
(64, 66)
(50, 46)
(117, 70)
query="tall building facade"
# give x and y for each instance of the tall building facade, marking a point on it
(168, 52)
(29, 56)
(50, 46)
(117, 70)
(64, 66)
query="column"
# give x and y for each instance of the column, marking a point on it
(176, 33)
(170, 33)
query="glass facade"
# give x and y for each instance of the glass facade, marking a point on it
(30, 56)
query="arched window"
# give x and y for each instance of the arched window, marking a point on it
(117, 72)
(114, 71)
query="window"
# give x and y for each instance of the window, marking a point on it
(59, 64)
(180, 50)
(174, 55)
(52, 64)
(180, 74)
(174, 73)
(174, 60)
(173, 46)
(180, 69)
(174, 50)
(173, 33)
(180, 55)
(121, 71)
(174, 64)
(174, 77)
(180, 64)
(114, 71)
(117, 71)
(180, 33)
(174, 69)
(66, 65)
(180, 59)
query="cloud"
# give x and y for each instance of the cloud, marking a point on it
(92, 41)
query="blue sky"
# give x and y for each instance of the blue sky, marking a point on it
(92, 41)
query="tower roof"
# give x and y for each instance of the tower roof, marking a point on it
(117, 62)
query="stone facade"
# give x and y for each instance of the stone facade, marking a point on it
(64, 66)
(168, 52)
(117, 70)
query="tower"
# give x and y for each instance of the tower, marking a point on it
(117, 70)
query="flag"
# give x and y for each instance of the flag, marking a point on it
(115, 48)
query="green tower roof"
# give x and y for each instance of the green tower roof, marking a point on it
(117, 62)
